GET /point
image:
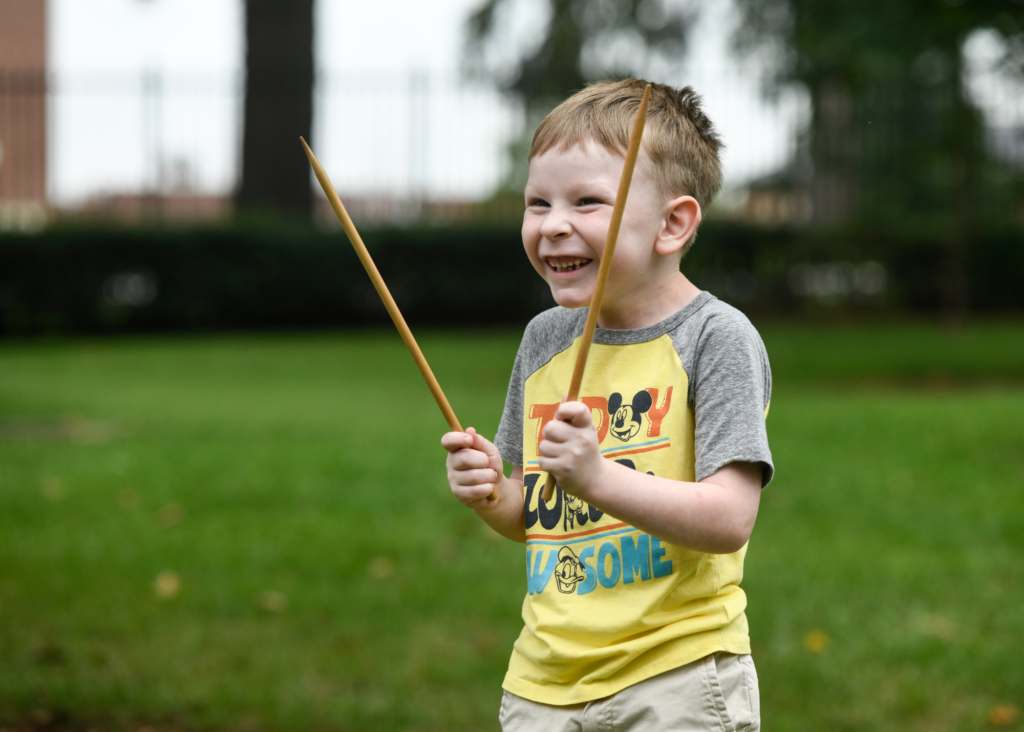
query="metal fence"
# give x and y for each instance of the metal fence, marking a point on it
(127, 145)
(89, 141)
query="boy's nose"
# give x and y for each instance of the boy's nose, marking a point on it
(555, 226)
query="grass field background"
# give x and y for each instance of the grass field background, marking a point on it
(255, 533)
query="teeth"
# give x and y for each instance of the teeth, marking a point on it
(569, 266)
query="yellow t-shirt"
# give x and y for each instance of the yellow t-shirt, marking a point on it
(607, 605)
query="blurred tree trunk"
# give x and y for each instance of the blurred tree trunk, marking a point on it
(831, 147)
(278, 106)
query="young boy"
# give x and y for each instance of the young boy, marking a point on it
(634, 615)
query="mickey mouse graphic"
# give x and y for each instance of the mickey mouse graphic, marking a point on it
(626, 418)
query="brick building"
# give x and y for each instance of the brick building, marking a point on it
(22, 105)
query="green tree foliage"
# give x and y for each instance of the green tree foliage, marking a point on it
(583, 41)
(860, 41)
(895, 139)
(577, 31)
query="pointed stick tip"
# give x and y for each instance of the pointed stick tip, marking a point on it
(309, 153)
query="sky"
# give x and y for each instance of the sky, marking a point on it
(147, 95)
(206, 36)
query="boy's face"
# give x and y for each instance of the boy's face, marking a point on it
(569, 199)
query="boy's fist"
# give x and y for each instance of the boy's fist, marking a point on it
(474, 467)
(570, 450)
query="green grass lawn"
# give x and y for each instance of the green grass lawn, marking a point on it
(255, 533)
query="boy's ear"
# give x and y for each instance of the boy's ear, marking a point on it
(682, 216)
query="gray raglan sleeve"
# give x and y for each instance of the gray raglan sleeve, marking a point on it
(547, 334)
(509, 439)
(731, 389)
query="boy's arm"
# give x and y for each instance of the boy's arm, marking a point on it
(475, 470)
(715, 515)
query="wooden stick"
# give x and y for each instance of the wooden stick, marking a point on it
(606, 263)
(385, 294)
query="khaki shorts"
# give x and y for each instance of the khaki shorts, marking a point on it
(718, 692)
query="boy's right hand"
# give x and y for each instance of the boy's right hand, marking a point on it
(474, 465)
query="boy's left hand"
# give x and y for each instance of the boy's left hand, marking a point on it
(570, 450)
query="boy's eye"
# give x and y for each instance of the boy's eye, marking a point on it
(589, 202)
(538, 202)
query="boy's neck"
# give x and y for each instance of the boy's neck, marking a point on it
(648, 303)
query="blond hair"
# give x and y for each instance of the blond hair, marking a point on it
(679, 139)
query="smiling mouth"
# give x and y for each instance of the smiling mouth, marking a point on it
(567, 264)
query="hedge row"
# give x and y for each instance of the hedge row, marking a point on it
(74, 280)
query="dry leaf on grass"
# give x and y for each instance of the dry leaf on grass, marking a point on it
(167, 585)
(380, 568)
(1003, 715)
(52, 488)
(40, 717)
(939, 627)
(70, 427)
(170, 515)
(273, 601)
(816, 641)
